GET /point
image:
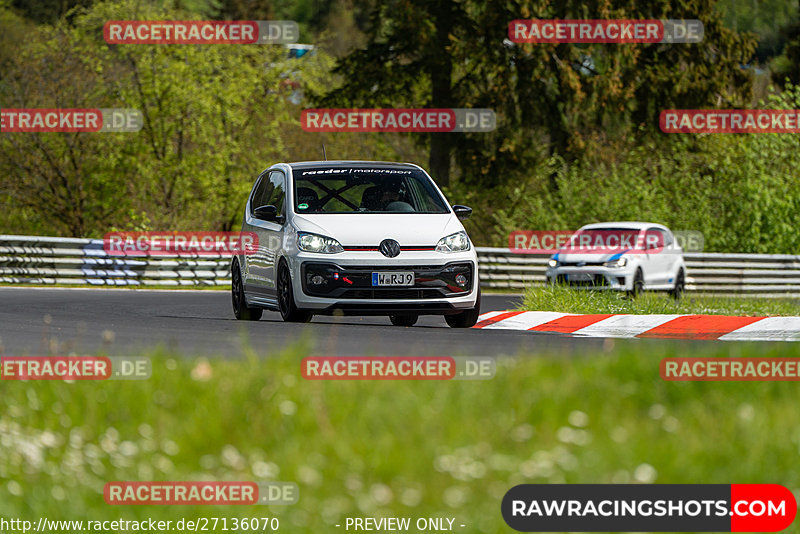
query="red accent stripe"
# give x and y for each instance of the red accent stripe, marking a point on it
(497, 318)
(700, 326)
(571, 323)
(372, 249)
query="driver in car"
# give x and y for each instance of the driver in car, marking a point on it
(393, 196)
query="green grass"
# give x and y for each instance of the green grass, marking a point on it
(570, 300)
(384, 448)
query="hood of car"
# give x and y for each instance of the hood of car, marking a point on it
(369, 229)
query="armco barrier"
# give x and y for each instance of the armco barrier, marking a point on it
(746, 274)
(56, 260)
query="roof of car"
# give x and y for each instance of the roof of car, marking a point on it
(632, 225)
(348, 163)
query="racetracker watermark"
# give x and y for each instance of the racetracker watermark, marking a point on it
(71, 120)
(730, 121)
(200, 493)
(605, 31)
(69, 368)
(649, 508)
(398, 368)
(730, 369)
(398, 120)
(201, 32)
(602, 241)
(178, 243)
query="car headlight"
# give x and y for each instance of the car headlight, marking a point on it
(453, 243)
(621, 262)
(318, 243)
(552, 262)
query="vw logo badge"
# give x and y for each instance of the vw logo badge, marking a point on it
(389, 248)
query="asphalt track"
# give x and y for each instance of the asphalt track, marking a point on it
(124, 322)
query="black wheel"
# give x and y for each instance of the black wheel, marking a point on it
(680, 285)
(289, 310)
(466, 318)
(406, 319)
(638, 284)
(240, 309)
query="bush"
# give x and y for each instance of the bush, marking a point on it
(742, 191)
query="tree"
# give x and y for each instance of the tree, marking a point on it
(66, 180)
(408, 62)
(449, 53)
(212, 122)
(787, 66)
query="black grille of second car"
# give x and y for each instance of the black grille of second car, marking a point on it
(580, 263)
(597, 280)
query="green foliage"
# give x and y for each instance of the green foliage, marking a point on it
(569, 149)
(786, 67)
(213, 117)
(742, 191)
(763, 17)
(453, 54)
(46, 11)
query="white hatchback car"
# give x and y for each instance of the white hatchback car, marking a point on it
(627, 256)
(356, 238)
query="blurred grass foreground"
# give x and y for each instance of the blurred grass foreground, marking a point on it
(392, 448)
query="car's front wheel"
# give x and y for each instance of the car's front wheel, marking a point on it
(680, 285)
(406, 319)
(638, 284)
(240, 309)
(466, 318)
(289, 310)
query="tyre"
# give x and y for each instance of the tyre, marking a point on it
(680, 285)
(289, 310)
(466, 318)
(638, 284)
(406, 319)
(240, 309)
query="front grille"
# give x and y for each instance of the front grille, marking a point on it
(582, 263)
(355, 282)
(597, 280)
(391, 294)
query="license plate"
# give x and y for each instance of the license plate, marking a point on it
(399, 278)
(579, 277)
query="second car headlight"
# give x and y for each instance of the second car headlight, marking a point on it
(318, 243)
(453, 243)
(621, 262)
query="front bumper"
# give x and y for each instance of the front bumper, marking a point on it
(595, 277)
(347, 283)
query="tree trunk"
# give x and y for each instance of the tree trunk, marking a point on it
(439, 158)
(441, 71)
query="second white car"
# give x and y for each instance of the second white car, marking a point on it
(624, 256)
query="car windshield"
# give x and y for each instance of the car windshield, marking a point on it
(365, 190)
(603, 238)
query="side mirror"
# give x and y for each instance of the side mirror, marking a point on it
(462, 212)
(268, 213)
